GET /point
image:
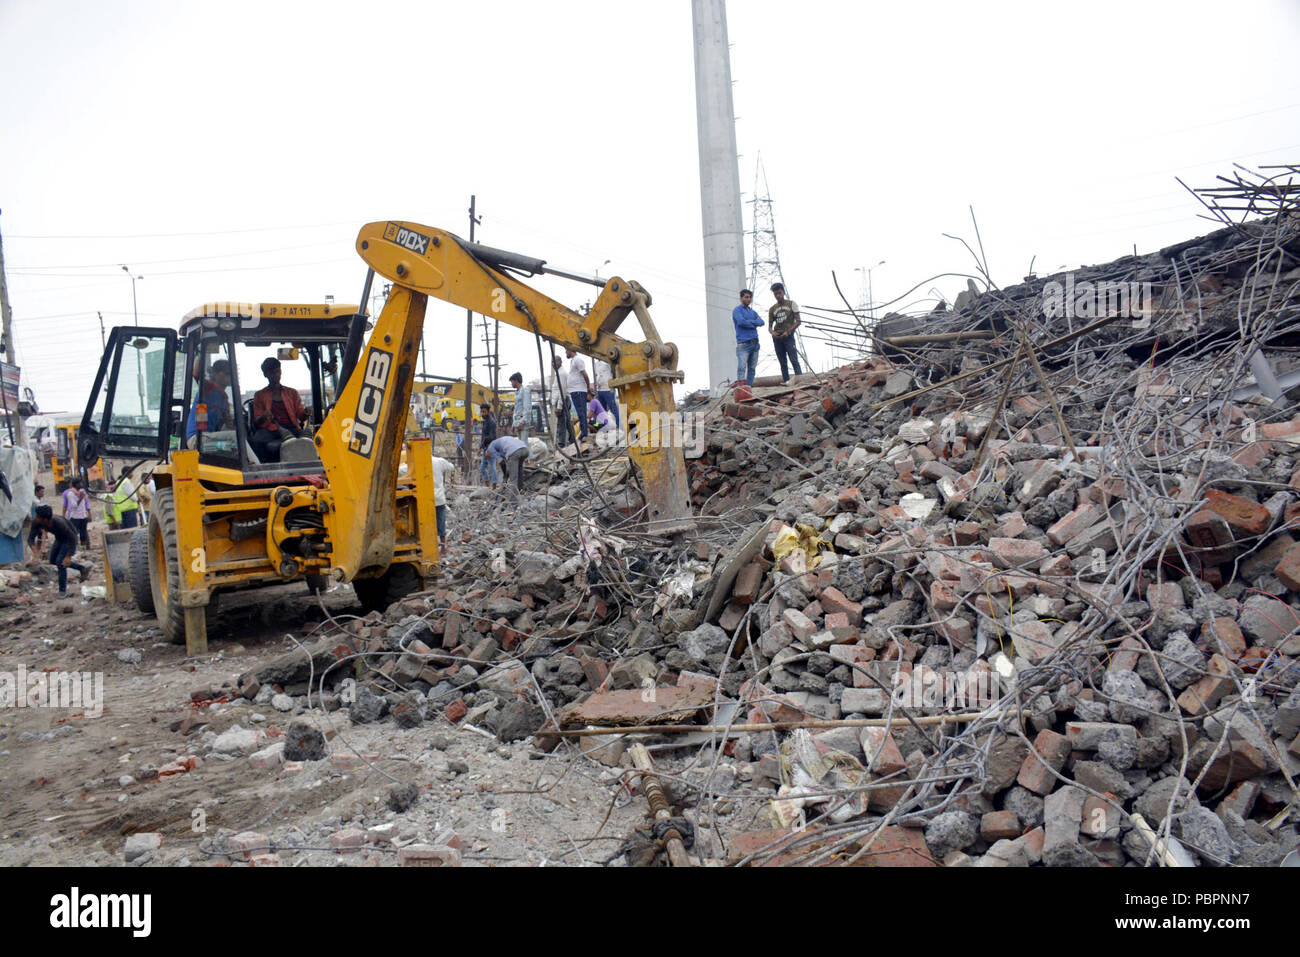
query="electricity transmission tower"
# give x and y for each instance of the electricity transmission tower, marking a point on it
(764, 259)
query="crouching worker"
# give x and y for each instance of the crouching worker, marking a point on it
(512, 453)
(64, 547)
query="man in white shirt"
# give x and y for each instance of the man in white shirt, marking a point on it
(442, 472)
(560, 402)
(580, 390)
(603, 391)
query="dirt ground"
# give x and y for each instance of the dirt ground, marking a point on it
(77, 785)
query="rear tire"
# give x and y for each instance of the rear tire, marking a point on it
(138, 571)
(376, 594)
(164, 573)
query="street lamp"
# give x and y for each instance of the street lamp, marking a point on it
(135, 310)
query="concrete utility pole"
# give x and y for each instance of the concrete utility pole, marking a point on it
(724, 249)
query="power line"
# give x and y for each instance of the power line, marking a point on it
(157, 262)
(210, 232)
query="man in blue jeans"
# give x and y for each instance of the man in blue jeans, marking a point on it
(747, 322)
(64, 547)
(784, 317)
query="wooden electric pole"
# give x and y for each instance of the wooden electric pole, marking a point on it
(5, 315)
(469, 364)
(16, 436)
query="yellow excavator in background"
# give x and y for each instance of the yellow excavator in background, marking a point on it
(240, 504)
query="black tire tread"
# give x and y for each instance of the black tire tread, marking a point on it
(138, 571)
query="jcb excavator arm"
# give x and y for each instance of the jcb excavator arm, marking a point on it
(360, 440)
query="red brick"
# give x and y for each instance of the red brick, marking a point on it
(731, 616)
(742, 411)
(799, 624)
(1032, 841)
(1013, 527)
(1237, 761)
(456, 710)
(1210, 690)
(852, 544)
(899, 847)
(943, 598)
(850, 499)
(245, 845)
(1125, 658)
(1248, 456)
(748, 584)
(883, 756)
(700, 682)
(966, 533)
(1247, 518)
(851, 654)
(451, 630)
(1282, 430)
(428, 855)
(1016, 552)
(348, 841)
(595, 670)
(1053, 748)
(1288, 569)
(1206, 529)
(748, 843)
(1165, 595)
(631, 706)
(1227, 631)
(999, 825)
(1056, 566)
(957, 630)
(834, 600)
(885, 761)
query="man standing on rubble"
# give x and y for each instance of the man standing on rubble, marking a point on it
(563, 423)
(604, 392)
(746, 321)
(581, 391)
(487, 468)
(522, 419)
(784, 317)
(443, 470)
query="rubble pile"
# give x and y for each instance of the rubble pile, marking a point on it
(1046, 612)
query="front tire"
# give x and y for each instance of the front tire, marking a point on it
(164, 572)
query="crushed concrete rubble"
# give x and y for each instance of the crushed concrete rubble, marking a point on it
(1010, 620)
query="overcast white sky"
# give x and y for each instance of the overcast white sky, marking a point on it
(231, 151)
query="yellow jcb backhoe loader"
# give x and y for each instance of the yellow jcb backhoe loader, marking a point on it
(242, 504)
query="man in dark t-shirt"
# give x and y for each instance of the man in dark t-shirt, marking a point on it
(783, 319)
(64, 547)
